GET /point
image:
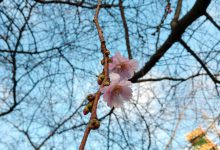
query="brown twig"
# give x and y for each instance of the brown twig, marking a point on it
(200, 61)
(158, 27)
(105, 53)
(127, 40)
(174, 22)
(81, 4)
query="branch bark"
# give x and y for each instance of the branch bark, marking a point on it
(105, 53)
(77, 4)
(197, 10)
(199, 60)
(127, 40)
(212, 21)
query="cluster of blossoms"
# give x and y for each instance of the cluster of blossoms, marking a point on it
(117, 88)
(120, 70)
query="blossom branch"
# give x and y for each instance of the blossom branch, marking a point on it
(94, 122)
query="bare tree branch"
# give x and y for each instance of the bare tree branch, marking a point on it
(197, 10)
(126, 30)
(199, 60)
(212, 21)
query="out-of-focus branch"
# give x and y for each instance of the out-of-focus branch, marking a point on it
(127, 40)
(212, 21)
(83, 124)
(166, 12)
(23, 52)
(197, 10)
(14, 64)
(199, 60)
(58, 127)
(147, 127)
(25, 132)
(180, 117)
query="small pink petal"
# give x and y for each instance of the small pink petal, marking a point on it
(134, 64)
(125, 83)
(102, 90)
(117, 102)
(123, 66)
(114, 77)
(126, 93)
(117, 92)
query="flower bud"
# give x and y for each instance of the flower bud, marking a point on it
(90, 97)
(94, 124)
(107, 83)
(102, 76)
(107, 52)
(99, 81)
(86, 110)
(89, 105)
(109, 60)
(102, 61)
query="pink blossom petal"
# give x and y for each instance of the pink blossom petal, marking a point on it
(114, 77)
(134, 64)
(123, 66)
(117, 101)
(107, 93)
(126, 93)
(116, 93)
(125, 83)
(111, 66)
(109, 104)
(102, 90)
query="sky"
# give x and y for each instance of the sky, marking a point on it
(68, 90)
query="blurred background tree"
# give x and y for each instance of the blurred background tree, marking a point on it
(50, 58)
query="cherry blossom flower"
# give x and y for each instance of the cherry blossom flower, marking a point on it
(123, 66)
(117, 92)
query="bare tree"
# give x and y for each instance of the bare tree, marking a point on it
(50, 57)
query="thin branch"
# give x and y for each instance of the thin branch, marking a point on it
(58, 126)
(25, 52)
(105, 53)
(172, 78)
(14, 64)
(147, 127)
(158, 27)
(77, 4)
(160, 79)
(127, 40)
(197, 10)
(108, 137)
(199, 60)
(177, 14)
(82, 124)
(181, 115)
(212, 21)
